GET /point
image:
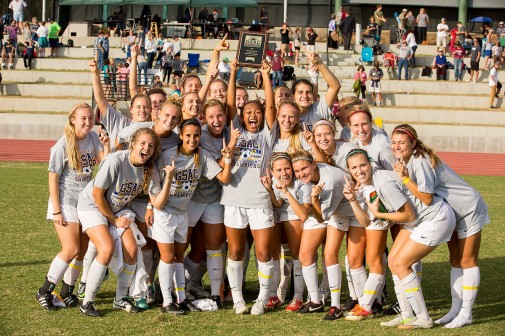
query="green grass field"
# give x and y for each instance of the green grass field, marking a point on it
(29, 244)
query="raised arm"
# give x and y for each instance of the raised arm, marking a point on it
(132, 80)
(98, 93)
(332, 81)
(269, 94)
(231, 103)
(211, 70)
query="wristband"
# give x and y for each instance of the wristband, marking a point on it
(406, 180)
(56, 213)
(149, 206)
(226, 160)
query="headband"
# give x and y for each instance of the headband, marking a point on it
(323, 122)
(356, 151)
(279, 156)
(409, 134)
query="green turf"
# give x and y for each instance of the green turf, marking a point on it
(29, 244)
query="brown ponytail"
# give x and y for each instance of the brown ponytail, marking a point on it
(420, 149)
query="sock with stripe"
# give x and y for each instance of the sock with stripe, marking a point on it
(124, 280)
(298, 280)
(72, 272)
(276, 277)
(350, 284)
(90, 255)
(166, 274)
(285, 271)
(180, 282)
(417, 267)
(215, 269)
(371, 291)
(456, 294)
(359, 279)
(334, 282)
(414, 293)
(310, 277)
(265, 272)
(402, 298)
(235, 271)
(95, 278)
(471, 282)
(56, 270)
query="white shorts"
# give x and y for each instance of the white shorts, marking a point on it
(341, 224)
(69, 212)
(212, 213)
(436, 231)
(376, 88)
(441, 41)
(464, 231)
(91, 218)
(169, 228)
(379, 225)
(239, 218)
(139, 206)
(280, 217)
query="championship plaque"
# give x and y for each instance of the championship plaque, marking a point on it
(251, 49)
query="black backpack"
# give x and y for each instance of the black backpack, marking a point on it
(426, 72)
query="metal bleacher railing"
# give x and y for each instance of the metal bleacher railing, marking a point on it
(116, 85)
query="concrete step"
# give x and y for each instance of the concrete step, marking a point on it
(439, 101)
(45, 90)
(46, 76)
(27, 126)
(40, 104)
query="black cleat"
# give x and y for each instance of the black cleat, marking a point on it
(350, 304)
(394, 309)
(217, 300)
(70, 300)
(333, 314)
(377, 308)
(45, 300)
(186, 305)
(312, 307)
(89, 309)
(173, 309)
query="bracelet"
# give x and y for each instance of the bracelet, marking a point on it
(352, 200)
(226, 160)
(149, 206)
(406, 180)
(56, 213)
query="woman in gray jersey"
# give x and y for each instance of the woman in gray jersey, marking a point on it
(178, 174)
(348, 105)
(434, 225)
(71, 165)
(471, 216)
(291, 201)
(366, 185)
(121, 177)
(322, 224)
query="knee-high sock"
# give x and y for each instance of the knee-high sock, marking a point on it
(359, 279)
(456, 290)
(471, 282)
(350, 284)
(72, 272)
(124, 280)
(417, 267)
(334, 281)
(414, 293)
(190, 268)
(147, 257)
(215, 269)
(90, 255)
(402, 298)
(275, 279)
(371, 291)
(285, 271)
(180, 282)
(199, 273)
(235, 271)
(383, 285)
(166, 274)
(95, 278)
(265, 270)
(324, 282)
(56, 270)
(298, 282)
(310, 277)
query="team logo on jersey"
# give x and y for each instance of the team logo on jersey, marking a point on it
(126, 193)
(248, 153)
(88, 162)
(184, 182)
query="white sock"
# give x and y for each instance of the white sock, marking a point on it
(471, 282)
(235, 271)
(414, 293)
(285, 269)
(456, 294)
(371, 291)
(166, 274)
(180, 282)
(95, 278)
(190, 268)
(324, 286)
(72, 272)
(215, 269)
(147, 257)
(298, 282)
(359, 279)
(383, 285)
(90, 255)
(124, 280)
(276, 277)
(265, 270)
(334, 281)
(56, 270)
(350, 284)
(417, 267)
(402, 298)
(310, 277)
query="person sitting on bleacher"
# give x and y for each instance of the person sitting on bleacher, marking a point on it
(439, 64)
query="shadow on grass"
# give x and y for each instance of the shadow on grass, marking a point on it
(25, 263)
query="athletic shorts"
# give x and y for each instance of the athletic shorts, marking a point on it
(280, 217)
(239, 218)
(69, 212)
(212, 213)
(139, 206)
(43, 43)
(464, 231)
(18, 17)
(341, 224)
(53, 42)
(488, 53)
(376, 88)
(91, 218)
(169, 228)
(436, 231)
(379, 225)
(474, 65)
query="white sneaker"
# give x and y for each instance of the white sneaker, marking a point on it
(459, 322)
(240, 308)
(11, 66)
(447, 318)
(399, 320)
(417, 323)
(3, 65)
(126, 305)
(258, 308)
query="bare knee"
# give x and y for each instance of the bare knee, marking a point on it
(355, 260)
(235, 253)
(105, 252)
(69, 252)
(306, 258)
(212, 243)
(469, 262)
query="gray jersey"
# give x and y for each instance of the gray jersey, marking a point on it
(346, 134)
(379, 151)
(125, 134)
(282, 145)
(467, 203)
(121, 180)
(71, 182)
(332, 194)
(114, 121)
(210, 190)
(341, 151)
(301, 193)
(186, 176)
(319, 110)
(250, 160)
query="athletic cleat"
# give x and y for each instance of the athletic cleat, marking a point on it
(311, 307)
(141, 303)
(333, 314)
(458, 322)
(150, 294)
(294, 305)
(186, 305)
(45, 300)
(89, 309)
(394, 309)
(158, 297)
(417, 323)
(447, 318)
(377, 308)
(81, 290)
(126, 305)
(350, 304)
(324, 294)
(259, 307)
(217, 300)
(70, 300)
(397, 321)
(359, 313)
(273, 303)
(240, 308)
(189, 296)
(198, 292)
(173, 309)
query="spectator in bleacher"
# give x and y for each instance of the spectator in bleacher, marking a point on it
(130, 41)
(121, 16)
(122, 77)
(474, 61)
(27, 34)
(34, 25)
(151, 49)
(105, 44)
(411, 42)
(167, 62)
(17, 7)
(500, 31)
(494, 84)
(440, 64)
(29, 54)
(285, 47)
(461, 33)
(107, 78)
(297, 41)
(410, 21)
(141, 40)
(142, 66)
(372, 27)
(177, 46)
(264, 16)
(8, 51)
(422, 20)
(312, 37)
(402, 18)
(348, 27)
(54, 35)
(376, 75)
(468, 43)
(224, 69)
(498, 53)
(332, 27)
(12, 32)
(404, 55)
(203, 15)
(361, 75)
(277, 66)
(442, 30)
(379, 18)
(459, 55)
(42, 39)
(488, 49)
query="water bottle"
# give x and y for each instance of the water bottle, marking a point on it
(370, 194)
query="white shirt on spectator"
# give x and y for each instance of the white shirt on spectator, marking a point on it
(443, 32)
(17, 6)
